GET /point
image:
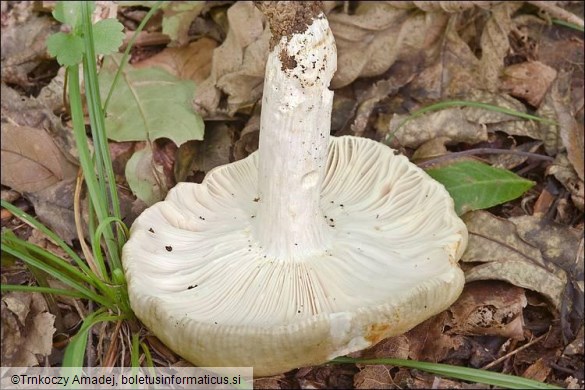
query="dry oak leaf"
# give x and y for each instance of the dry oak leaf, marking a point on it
(30, 159)
(504, 255)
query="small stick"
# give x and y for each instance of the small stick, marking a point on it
(472, 152)
(512, 353)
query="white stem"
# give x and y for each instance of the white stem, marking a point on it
(294, 138)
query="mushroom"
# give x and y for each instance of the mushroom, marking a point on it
(310, 248)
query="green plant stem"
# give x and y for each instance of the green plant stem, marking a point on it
(123, 63)
(102, 153)
(463, 373)
(23, 216)
(42, 290)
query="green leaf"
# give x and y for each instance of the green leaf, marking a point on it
(68, 48)
(148, 104)
(475, 186)
(69, 12)
(108, 36)
(145, 178)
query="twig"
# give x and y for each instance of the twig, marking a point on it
(557, 12)
(512, 353)
(472, 152)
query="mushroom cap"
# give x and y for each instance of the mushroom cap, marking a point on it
(199, 281)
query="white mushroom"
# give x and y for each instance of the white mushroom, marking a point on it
(311, 248)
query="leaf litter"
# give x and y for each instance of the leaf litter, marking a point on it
(524, 269)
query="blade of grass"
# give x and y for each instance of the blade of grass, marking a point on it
(42, 290)
(60, 276)
(75, 351)
(103, 163)
(568, 24)
(463, 373)
(28, 219)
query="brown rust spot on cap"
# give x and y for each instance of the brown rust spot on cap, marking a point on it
(289, 17)
(377, 332)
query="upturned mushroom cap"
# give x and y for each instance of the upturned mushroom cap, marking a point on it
(199, 279)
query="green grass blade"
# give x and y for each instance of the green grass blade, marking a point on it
(42, 290)
(107, 201)
(474, 185)
(462, 373)
(27, 218)
(568, 24)
(135, 352)
(59, 275)
(75, 351)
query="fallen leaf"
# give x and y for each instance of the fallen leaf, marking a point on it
(249, 137)
(35, 112)
(528, 80)
(27, 329)
(192, 62)
(563, 246)
(496, 244)
(429, 341)
(54, 208)
(205, 155)
(146, 178)
(24, 45)
(148, 104)
(177, 17)
(489, 308)
(378, 34)
(449, 123)
(571, 133)
(495, 44)
(31, 161)
(452, 71)
(474, 185)
(373, 377)
(430, 149)
(237, 72)
(562, 170)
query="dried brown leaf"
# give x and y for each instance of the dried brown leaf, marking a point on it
(528, 80)
(495, 44)
(54, 207)
(562, 170)
(450, 124)
(31, 161)
(27, 329)
(495, 242)
(373, 377)
(452, 71)
(205, 155)
(24, 46)
(378, 34)
(248, 142)
(489, 308)
(237, 71)
(192, 62)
